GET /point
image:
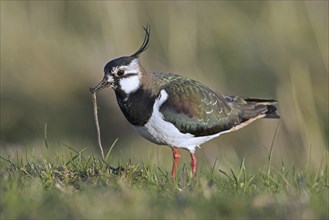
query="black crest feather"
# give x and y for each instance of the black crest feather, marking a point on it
(145, 42)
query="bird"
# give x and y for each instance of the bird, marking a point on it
(173, 110)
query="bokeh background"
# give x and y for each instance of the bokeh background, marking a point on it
(53, 51)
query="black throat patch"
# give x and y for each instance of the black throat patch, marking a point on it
(137, 107)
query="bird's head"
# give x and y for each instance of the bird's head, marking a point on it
(124, 73)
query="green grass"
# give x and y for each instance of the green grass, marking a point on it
(73, 184)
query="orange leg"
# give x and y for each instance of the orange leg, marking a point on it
(176, 156)
(194, 162)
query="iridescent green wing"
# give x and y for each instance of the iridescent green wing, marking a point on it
(194, 108)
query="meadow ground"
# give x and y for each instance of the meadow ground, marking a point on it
(73, 184)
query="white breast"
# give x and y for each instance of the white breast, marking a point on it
(159, 131)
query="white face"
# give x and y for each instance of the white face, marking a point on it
(130, 84)
(129, 77)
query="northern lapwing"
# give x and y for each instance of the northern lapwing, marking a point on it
(170, 109)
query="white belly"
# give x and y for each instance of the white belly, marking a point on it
(160, 131)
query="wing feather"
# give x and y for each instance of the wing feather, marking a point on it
(196, 109)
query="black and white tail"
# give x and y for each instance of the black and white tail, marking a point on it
(266, 106)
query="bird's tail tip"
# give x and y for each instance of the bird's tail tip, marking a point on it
(271, 104)
(272, 111)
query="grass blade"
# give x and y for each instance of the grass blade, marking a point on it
(45, 136)
(223, 172)
(270, 153)
(109, 152)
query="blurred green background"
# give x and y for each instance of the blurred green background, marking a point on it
(52, 51)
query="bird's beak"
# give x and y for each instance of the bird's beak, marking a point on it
(102, 84)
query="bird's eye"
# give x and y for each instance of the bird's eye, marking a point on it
(120, 72)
